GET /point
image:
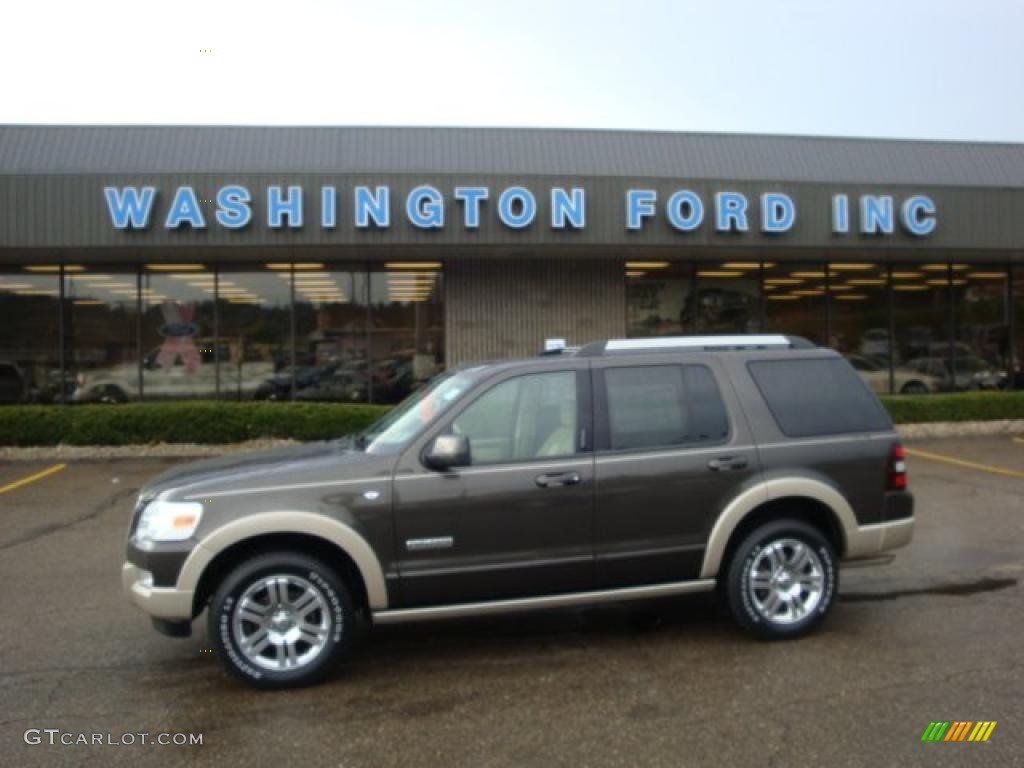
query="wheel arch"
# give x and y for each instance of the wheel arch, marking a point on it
(811, 501)
(332, 540)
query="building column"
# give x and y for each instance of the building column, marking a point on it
(501, 307)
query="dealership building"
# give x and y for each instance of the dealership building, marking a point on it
(353, 263)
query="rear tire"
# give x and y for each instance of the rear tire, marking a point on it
(782, 580)
(281, 620)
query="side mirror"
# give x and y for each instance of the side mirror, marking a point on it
(448, 451)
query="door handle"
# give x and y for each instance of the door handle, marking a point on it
(557, 478)
(727, 462)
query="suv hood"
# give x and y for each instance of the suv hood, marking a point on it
(309, 462)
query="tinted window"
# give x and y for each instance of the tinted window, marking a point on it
(663, 405)
(817, 397)
(528, 417)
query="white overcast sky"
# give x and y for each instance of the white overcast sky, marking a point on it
(946, 69)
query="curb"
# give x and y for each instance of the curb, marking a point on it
(910, 432)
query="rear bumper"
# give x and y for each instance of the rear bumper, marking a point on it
(871, 540)
(159, 602)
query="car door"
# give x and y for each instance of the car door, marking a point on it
(668, 457)
(517, 521)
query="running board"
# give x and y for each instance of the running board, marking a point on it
(548, 601)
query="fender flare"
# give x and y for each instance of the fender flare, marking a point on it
(780, 488)
(341, 535)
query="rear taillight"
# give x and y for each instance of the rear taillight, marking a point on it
(897, 475)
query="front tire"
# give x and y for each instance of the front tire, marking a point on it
(782, 580)
(281, 620)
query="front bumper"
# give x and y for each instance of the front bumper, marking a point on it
(167, 603)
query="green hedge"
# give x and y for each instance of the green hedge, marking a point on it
(190, 422)
(966, 406)
(227, 422)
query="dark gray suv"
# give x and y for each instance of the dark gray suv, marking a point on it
(620, 470)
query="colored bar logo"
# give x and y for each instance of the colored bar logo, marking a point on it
(958, 730)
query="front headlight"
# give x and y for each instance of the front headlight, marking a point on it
(167, 521)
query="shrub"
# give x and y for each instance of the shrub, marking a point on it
(966, 406)
(182, 422)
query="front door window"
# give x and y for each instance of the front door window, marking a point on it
(521, 419)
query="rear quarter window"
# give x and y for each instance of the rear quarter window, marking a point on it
(817, 396)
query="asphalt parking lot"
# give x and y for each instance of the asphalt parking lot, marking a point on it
(936, 635)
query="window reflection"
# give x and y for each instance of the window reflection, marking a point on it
(657, 294)
(794, 295)
(859, 296)
(330, 335)
(726, 299)
(101, 318)
(921, 317)
(1017, 366)
(407, 312)
(178, 354)
(254, 314)
(29, 336)
(982, 350)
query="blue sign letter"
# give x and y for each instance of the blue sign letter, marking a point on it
(507, 205)
(639, 206)
(777, 212)
(564, 208)
(691, 202)
(876, 215)
(425, 208)
(233, 209)
(372, 205)
(185, 209)
(279, 207)
(840, 214)
(917, 214)
(471, 198)
(127, 209)
(731, 212)
(328, 207)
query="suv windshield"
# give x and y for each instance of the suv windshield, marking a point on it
(414, 413)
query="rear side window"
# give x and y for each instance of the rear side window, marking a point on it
(662, 406)
(819, 396)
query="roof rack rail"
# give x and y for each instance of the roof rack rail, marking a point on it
(722, 343)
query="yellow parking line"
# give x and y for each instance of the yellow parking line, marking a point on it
(1019, 440)
(32, 478)
(962, 463)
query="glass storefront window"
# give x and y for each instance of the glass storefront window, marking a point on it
(331, 334)
(921, 318)
(859, 321)
(254, 324)
(1017, 366)
(982, 351)
(794, 299)
(178, 334)
(407, 336)
(657, 294)
(30, 336)
(725, 299)
(100, 331)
